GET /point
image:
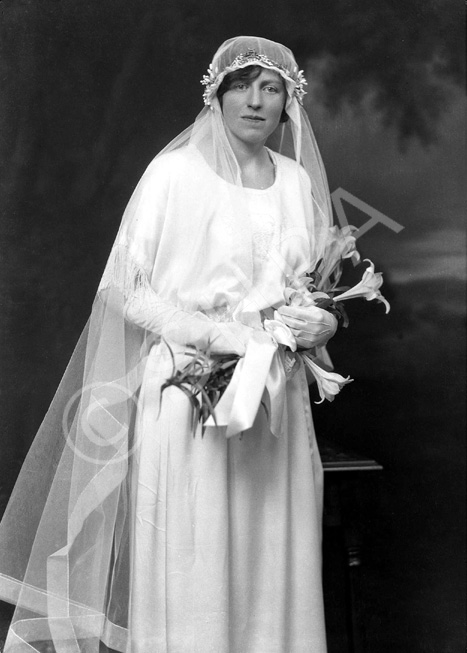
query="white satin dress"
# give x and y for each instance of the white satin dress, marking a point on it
(226, 533)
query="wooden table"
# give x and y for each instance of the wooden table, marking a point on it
(347, 477)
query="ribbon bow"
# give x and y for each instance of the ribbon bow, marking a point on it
(261, 369)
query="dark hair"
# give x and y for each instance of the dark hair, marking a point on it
(246, 74)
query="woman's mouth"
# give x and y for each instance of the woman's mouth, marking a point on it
(253, 118)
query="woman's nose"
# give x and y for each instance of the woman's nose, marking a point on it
(254, 97)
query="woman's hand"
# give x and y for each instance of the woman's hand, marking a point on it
(229, 338)
(311, 326)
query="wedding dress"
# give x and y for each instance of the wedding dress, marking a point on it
(226, 531)
(125, 529)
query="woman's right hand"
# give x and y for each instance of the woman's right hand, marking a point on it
(311, 326)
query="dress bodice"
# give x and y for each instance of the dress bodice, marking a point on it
(212, 246)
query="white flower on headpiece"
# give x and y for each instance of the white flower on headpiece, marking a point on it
(211, 84)
(368, 287)
(300, 82)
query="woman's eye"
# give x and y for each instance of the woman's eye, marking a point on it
(271, 89)
(240, 86)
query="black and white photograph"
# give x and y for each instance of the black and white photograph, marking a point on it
(232, 299)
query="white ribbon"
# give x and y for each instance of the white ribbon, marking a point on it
(261, 369)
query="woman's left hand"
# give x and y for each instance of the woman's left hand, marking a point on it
(311, 326)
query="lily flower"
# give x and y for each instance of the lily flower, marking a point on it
(296, 282)
(301, 291)
(341, 244)
(280, 332)
(302, 297)
(368, 287)
(329, 383)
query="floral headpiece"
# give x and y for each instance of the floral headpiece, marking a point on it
(214, 78)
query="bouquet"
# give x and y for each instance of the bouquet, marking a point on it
(203, 381)
(206, 377)
(320, 287)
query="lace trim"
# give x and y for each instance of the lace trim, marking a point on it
(263, 233)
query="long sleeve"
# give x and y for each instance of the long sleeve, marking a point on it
(146, 309)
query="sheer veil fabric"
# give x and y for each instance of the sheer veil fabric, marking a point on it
(65, 538)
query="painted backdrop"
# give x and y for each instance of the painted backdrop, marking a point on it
(92, 90)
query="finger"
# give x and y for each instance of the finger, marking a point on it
(310, 331)
(294, 323)
(309, 339)
(296, 312)
(313, 317)
(306, 325)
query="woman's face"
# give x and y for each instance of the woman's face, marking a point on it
(252, 108)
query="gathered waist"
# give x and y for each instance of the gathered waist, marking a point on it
(229, 314)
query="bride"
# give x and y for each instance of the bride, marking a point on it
(133, 523)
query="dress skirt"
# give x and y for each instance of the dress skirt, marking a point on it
(226, 533)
